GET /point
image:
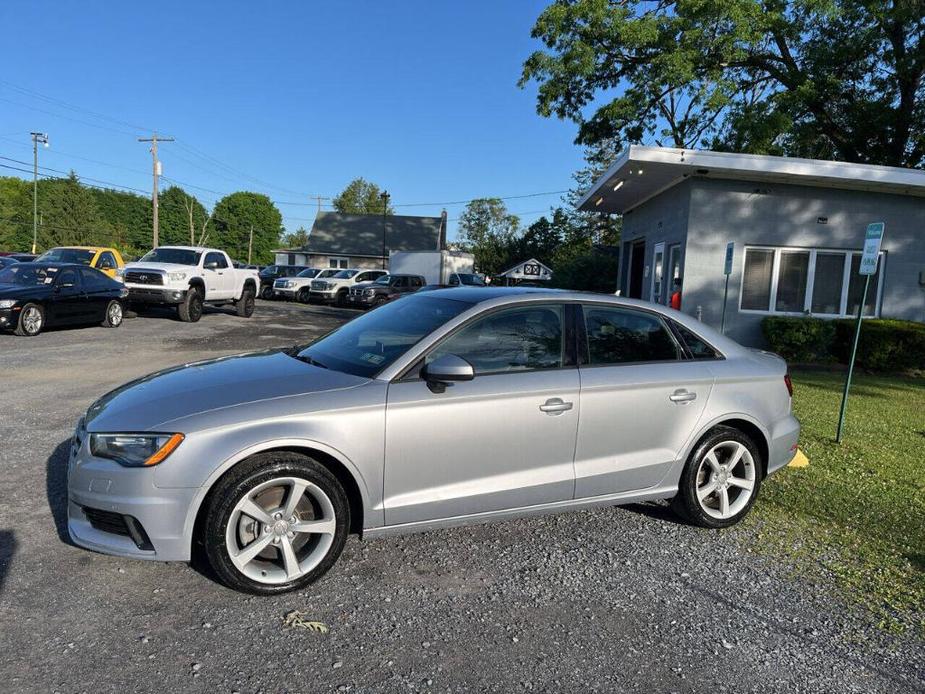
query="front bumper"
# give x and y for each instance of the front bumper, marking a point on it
(284, 293)
(9, 317)
(323, 295)
(361, 300)
(155, 295)
(106, 486)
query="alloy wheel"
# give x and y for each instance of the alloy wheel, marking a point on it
(725, 479)
(32, 320)
(280, 530)
(114, 314)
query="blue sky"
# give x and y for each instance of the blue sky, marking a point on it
(420, 97)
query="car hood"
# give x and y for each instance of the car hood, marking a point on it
(193, 389)
(18, 291)
(161, 267)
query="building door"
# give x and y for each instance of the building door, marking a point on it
(657, 290)
(637, 268)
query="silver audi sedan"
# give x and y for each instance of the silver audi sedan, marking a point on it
(445, 408)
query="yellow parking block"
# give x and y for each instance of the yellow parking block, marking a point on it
(799, 460)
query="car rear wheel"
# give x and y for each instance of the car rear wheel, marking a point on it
(721, 480)
(245, 305)
(31, 320)
(114, 315)
(190, 310)
(275, 523)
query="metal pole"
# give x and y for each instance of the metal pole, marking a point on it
(35, 192)
(722, 323)
(385, 208)
(854, 351)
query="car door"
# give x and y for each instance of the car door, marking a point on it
(640, 401)
(97, 290)
(68, 303)
(505, 439)
(219, 276)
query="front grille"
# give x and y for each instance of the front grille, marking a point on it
(279, 283)
(139, 277)
(320, 285)
(118, 524)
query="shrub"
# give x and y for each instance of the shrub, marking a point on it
(804, 340)
(885, 344)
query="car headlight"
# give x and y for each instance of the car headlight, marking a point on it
(177, 276)
(134, 450)
(7, 303)
(369, 292)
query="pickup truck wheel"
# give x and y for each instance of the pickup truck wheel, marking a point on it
(341, 298)
(190, 310)
(266, 292)
(303, 295)
(275, 523)
(114, 315)
(245, 304)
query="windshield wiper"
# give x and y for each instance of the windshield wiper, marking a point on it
(309, 360)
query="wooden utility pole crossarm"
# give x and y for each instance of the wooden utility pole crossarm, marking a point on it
(154, 139)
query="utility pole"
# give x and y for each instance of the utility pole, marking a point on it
(36, 138)
(250, 244)
(384, 196)
(154, 139)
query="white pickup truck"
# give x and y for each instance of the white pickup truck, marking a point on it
(189, 277)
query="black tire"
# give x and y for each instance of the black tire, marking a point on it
(115, 314)
(379, 300)
(266, 292)
(304, 296)
(340, 299)
(25, 326)
(190, 311)
(238, 483)
(245, 305)
(699, 473)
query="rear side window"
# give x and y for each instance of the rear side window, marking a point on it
(697, 347)
(621, 336)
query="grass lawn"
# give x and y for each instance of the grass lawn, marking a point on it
(856, 516)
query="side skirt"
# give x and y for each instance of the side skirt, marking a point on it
(651, 494)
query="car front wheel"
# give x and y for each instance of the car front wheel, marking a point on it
(721, 480)
(190, 310)
(31, 320)
(275, 523)
(245, 305)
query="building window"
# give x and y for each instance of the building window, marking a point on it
(339, 263)
(807, 281)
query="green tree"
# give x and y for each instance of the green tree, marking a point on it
(126, 221)
(182, 219)
(69, 214)
(841, 79)
(15, 214)
(489, 231)
(297, 239)
(234, 217)
(360, 197)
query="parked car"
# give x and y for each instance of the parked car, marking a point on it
(466, 279)
(271, 273)
(299, 287)
(189, 277)
(106, 260)
(335, 289)
(7, 260)
(21, 257)
(37, 295)
(384, 289)
(444, 408)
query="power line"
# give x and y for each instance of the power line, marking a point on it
(66, 173)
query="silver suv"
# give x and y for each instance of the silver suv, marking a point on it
(448, 407)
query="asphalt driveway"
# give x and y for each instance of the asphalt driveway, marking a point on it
(619, 599)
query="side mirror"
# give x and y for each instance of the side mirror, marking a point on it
(446, 369)
(211, 266)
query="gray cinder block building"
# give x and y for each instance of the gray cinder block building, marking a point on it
(797, 224)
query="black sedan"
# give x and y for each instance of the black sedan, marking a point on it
(36, 295)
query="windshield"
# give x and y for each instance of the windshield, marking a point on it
(327, 273)
(471, 280)
(345, 274)
(177, 256)
(27, 274)
(385, 279)
(67, 255)
(308, 272)
(269, 270)
(368, 344)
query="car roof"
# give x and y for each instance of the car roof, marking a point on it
(479, 294)
(55, 264)
(82, 248)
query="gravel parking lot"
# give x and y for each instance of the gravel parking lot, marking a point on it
(620, 599)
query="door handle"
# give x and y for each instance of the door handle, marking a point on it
(682, 396)
(555, 406)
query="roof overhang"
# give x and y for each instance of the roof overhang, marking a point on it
(640, 173)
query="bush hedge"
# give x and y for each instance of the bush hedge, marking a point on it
(885, 344)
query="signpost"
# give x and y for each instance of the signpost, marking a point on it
(727, 270)
(869, 258)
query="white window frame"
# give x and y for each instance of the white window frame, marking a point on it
(658, 273)
(338, 263)
(848, 253)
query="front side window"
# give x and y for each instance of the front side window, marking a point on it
(370, 343)
(345, 274)
(517, 339)
(106, 261)
(621, 336)
(417, 282)
(216, 258)
(68, 278)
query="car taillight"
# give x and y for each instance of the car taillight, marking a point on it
(789, 384)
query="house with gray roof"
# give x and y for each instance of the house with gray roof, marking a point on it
(364, 240)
